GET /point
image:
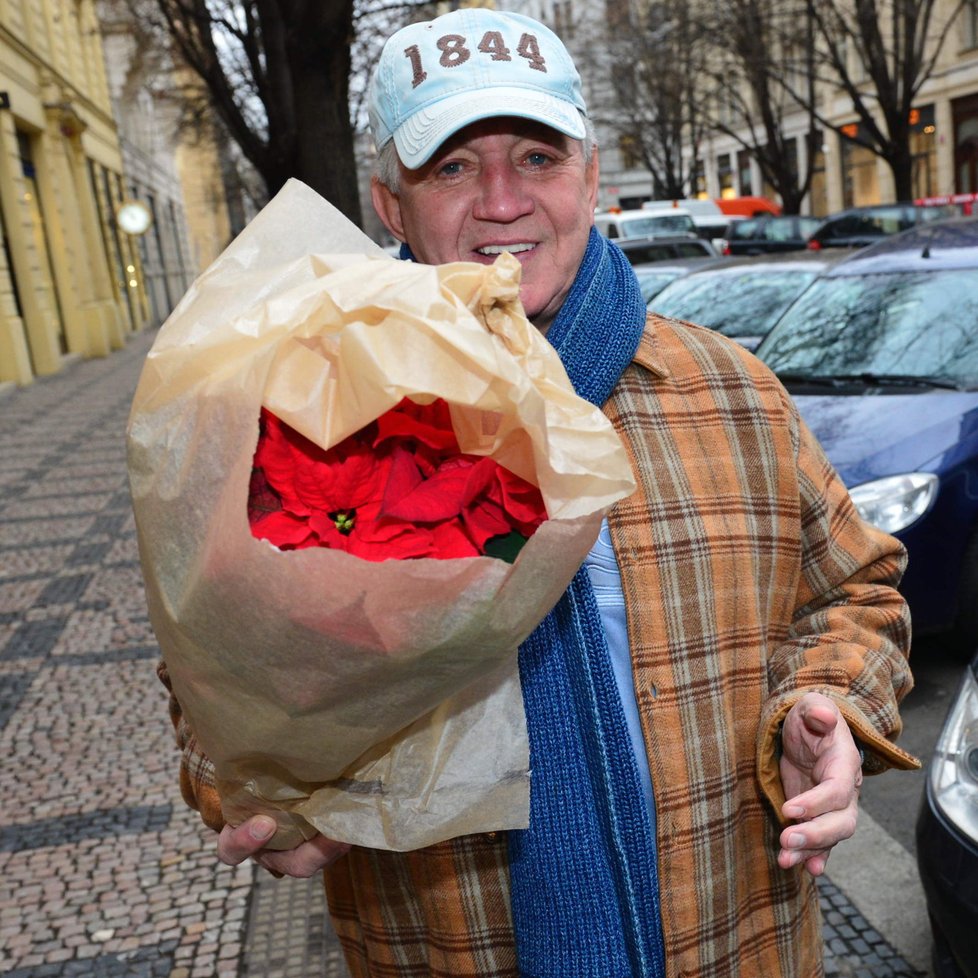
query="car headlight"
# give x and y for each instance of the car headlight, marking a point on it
(895, 502)
(954, 767)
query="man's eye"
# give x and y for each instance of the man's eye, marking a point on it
(537, 159)
(450, 169)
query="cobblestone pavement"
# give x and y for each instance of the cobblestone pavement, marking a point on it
(104, 873)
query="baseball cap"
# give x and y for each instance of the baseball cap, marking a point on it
(436, 77)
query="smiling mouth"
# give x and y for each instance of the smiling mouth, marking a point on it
(510, 249)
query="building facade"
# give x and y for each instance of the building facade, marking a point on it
(70, 281)
(172, 171)
(944, 124)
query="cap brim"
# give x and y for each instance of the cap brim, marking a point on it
(418, 138)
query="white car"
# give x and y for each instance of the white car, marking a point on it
(644, 224)
(711, 223)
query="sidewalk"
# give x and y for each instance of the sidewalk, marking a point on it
(104, 870)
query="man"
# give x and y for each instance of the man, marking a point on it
(693, 700)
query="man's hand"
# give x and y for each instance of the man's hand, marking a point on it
(821, 775)
(235, 845)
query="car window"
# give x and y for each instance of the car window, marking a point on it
(746, 304)
(910, 323)
(844, 227)
(741, 230)
(887, 220)
(781, 230)
(649, 252)
(938, 213)
(657, 224)
(691, 249)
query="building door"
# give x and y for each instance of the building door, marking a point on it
(965, 115)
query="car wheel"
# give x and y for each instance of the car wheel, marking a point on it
(964, 635)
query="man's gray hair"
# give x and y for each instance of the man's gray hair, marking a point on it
(387, 170)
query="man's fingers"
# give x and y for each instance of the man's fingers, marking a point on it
(235, 845)
(814, 860)
(306, 859)
(811, 842)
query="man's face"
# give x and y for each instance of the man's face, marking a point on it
(503, 184)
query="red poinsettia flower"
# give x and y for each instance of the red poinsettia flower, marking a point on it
(398, 488)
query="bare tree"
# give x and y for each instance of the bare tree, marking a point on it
(880, 53)
(652, 62)
(765, 43)
(280, 74)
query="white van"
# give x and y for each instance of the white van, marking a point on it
(710, 221)
(642, 224)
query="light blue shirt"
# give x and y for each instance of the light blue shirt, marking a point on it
(602, 568)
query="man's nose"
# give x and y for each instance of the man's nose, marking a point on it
(503, 195)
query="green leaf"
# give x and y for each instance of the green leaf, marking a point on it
(505, 547)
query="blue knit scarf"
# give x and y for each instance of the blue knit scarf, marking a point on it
(584, 886)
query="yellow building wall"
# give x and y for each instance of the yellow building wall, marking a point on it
(61, 292)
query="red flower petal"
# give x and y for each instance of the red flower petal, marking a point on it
(403, 477)
(403, 488)
(428, 424)
(285, 531)
(440, 497)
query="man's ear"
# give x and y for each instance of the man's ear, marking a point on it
(592, 178)
(388, 207)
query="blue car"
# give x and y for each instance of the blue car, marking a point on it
(881, 356)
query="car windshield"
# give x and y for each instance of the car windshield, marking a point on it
(890, 325)
(748, 303)
(653, 282)
(638, 227)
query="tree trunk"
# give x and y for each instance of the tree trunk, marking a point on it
(310, 135)
(900, 161)
(324, 155)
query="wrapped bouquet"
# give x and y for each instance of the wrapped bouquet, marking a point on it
(359, 484)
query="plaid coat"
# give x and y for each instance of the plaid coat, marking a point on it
(749, 580)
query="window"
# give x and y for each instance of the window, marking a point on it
(725, 176)
(859, 174)
(743, 173)
(969, 24)
(923, 149)
(563, 19)
(630, 150)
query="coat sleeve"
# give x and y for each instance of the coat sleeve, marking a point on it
(850, 633)
(196, 771)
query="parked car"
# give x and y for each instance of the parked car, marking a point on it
(744, 297)
(640, 251)
(769, 235)
(881, 355)
(642, 224)
(710, 221)
(861, 226)
(947, 837)
(655, 276)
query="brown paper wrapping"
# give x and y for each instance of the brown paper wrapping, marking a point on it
(375, 702)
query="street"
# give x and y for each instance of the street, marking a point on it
(105, 871)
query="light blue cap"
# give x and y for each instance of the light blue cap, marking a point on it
(439, 76)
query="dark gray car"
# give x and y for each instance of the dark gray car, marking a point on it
(743, 297)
